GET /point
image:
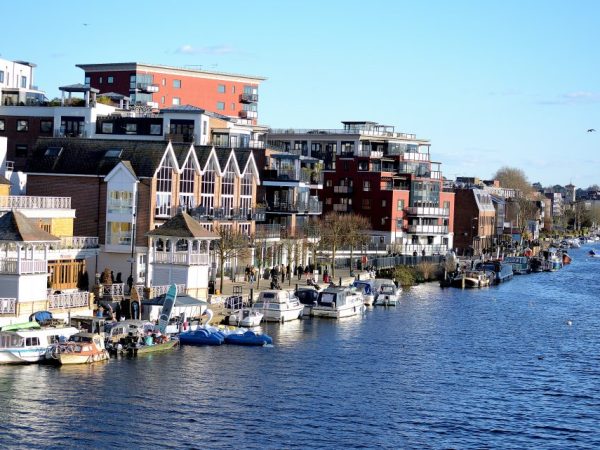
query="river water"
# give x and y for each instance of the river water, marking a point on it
(493, 368)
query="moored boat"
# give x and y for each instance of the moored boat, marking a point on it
(278, 305)
(82, 348)
(471, 279)
(247, 317)
(201, 336)
(499, 271)
(338, 302)
(28, 343)
(386, 293)
(520, 264)
(248, 338)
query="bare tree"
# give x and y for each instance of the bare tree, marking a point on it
(356, 235)
(231, 245)
(334, 227)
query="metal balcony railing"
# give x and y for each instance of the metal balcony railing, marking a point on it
(427, 211)
(8, 305)
(428, 229)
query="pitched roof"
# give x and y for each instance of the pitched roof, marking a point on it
(3, 180)
(15, 227)
(202, 153)
(242, 157)
(183, 225)
(87, 156)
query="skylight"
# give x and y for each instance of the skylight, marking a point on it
(113, 153)
(53, 151)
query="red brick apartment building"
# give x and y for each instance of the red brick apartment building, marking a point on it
(160, 86)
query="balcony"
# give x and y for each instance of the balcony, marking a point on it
(12, 266)
(415, 156)
(70, 300)
(146, 87)
(156, 291)
(427, 211)
(342, 207)
(181, 258)
(10, 202)
(248, 114)
(343, 189)
(298, 207)
(249, 98)
(428, 229)
(267, 231)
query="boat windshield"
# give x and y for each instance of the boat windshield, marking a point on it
(387, 289)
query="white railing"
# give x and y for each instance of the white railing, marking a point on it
(433, 229)
(34, 202)
(71, 300)
(427, 211)
(27, 266)
(155, 291)
(112, 290)
(76, 242)
(8, 305)
(120, 206)
(414, 156)
(181, 258)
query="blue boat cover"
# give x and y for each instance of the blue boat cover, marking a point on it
(40, 316)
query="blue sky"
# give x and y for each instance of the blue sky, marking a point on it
(489, 83)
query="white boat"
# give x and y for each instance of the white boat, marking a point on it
(308, 295)
(338, 302)
(279, 306)
(386, 295)
(30, 345)
(366, 288)
(245, 318)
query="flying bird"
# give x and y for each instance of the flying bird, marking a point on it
(85, 24)
(590, 130)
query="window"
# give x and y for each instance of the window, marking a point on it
(31, 341)
(177, 84)
(220, 106)
(24, 82)
(162, 99)
(45, 126)
(113, 153)
(227, 192)
(366, 203)
(447, 205)
(164, 81)
(164, 189)
(366, 185)
(120, 202)
(1, 76)
(233, 106)
(383, 203)
(186, 186)
(221, 88)
(22, 125)
(246, 193)
(118, 233)
(100, 80)
(2, 125)
(87, 81)
(329, 183)
(131, 128)
(176, 101)
(110, 80)
(400, 205)
(21, 151)
(204, 127)
(208, 189)
(155, 128)
(107, 127)
(53, 151)
(328, 201)
(233, 89)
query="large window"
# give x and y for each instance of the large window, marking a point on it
(186, 186)
(45, 126)
(221, 88)
(164, 181)
(424, 193)
(207, 197)
(118, 233)
(227, 185)
(2, 125)
(120, 202)
(246, 194)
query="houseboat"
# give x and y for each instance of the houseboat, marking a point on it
(520, 264)
(499, 271)
(338, 302)
(471, 279)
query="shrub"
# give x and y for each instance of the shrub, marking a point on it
(426, 271)
(404, 275)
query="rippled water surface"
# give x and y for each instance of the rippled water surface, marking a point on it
(492, 368)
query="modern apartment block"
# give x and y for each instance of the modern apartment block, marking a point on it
(16, 83)
(158, 87)
(389, 177)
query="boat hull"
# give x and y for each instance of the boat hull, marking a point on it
(22, 355)
(270, 315)
(144, 349)
(68, 359)
(337, 313)
(249, 338)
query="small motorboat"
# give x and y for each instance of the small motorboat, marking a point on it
(201, 336)
(279, 306)
(246, 318)
(249, 338)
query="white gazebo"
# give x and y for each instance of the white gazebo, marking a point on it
(179, 254)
